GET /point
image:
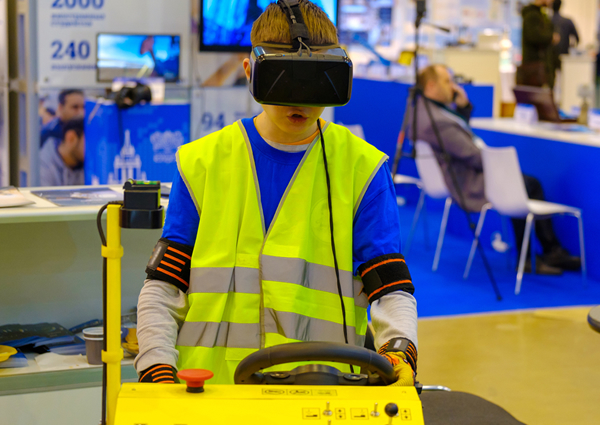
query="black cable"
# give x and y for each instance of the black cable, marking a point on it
(400, 144)
(335, 262)
(104, 305)
(291, 12)
(104, 377)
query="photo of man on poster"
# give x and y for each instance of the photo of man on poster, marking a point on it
(71, 104)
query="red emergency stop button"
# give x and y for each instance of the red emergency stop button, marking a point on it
(195, 378)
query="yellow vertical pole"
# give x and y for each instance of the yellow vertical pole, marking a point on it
(114, 353)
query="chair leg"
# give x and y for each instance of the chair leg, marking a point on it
(582, 249)
(532, 246)
(484, 211)
(438, 250)
(523, 256)
(413, 228)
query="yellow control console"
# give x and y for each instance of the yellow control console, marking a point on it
(171, 404)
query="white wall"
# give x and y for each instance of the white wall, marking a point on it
(80, 406)
(584, 14)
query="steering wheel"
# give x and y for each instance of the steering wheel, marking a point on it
(381, 371)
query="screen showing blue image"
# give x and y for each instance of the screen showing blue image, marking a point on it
(225, 25)
(137, 56)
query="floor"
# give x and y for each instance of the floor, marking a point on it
(532, 354)
(542, 365)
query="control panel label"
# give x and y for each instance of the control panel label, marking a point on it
(359, 414)
(311, 413)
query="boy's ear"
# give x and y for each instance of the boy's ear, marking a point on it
(70, 138)
(247, 68)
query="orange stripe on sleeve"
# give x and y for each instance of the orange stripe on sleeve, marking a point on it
(173, 275)
(183, 254)
(388, 286)
(170, 257)
(395, 260)
(154, 368)
(170, 265)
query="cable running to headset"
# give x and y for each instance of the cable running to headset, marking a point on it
(335, 262)
(295, 22)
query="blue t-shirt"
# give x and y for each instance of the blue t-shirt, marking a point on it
(53, 128)
(376, 229)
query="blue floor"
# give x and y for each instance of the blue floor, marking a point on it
(445, 292)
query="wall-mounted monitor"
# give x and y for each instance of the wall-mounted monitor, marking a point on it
(225, 25)
(137, 56)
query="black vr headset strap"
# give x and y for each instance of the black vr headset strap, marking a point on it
(298, 28)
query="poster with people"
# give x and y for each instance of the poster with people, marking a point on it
(62, 137)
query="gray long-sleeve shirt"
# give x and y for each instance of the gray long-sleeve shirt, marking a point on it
(162, 309)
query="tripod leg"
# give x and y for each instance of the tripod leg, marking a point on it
(438, 250)
(484, 211)
(532, 246)
(413, 228)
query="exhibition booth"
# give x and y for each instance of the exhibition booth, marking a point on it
(130, 83)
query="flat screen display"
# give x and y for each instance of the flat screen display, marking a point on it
(225, 25)
(137, 56)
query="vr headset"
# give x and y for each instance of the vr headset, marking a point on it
(300, 74)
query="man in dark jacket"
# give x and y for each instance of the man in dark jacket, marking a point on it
(464, 156)
(566, 28)
(539, 39)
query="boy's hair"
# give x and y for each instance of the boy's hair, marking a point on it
(272, 26)
(76, 124)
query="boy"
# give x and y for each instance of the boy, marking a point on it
(246, 262)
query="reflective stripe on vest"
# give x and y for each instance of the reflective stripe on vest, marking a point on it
(252, 287)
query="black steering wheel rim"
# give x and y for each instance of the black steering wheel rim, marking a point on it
(247, 371)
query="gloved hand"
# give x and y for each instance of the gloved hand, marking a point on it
(159, 373)
(404, 373)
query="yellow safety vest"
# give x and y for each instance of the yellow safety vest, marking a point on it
(252, 287)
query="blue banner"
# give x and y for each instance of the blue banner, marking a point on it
(139, 143)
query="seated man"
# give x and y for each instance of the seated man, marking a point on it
(461, 145)
(61, 161)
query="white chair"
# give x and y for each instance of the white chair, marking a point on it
(435, 187)
(506, 193)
